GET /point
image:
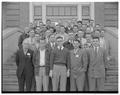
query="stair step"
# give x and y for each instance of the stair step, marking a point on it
(111, 84)
(112, 73)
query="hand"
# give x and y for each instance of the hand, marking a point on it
(109, 58)
(51, 73)
(68, 73)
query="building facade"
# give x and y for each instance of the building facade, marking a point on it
(20, 14)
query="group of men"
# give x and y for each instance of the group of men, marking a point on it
(77, 51)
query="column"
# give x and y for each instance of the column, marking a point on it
(92, 10)
(79, 12)
(44, 13)
(30, 12)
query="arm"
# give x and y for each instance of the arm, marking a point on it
(20, 40)
(68, 60)
(17, 59)
(106, 63)
(34, 59)
(85, 61)
(52, 55)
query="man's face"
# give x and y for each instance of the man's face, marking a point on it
(60, 42)
(48, 22)
(57, 28)
(51, 30)
(52, 38)
(79, 25)
(88, 37)
(97, 33)
(75, 29)
(95, 42)
(62, 29)
(31, 33)
(71, 36)
(42, 44)
(84, 27)
(25, 46)
(80, 34)
(76, 44)
(88, 30)
(37, 37)
(91, 22)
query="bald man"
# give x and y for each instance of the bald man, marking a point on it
(25, 71)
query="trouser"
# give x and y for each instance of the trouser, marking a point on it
(86, 87)
(42, 80)
(77, 83)
(59, 75)
(33, 88)
(96, 84)
(25, 78)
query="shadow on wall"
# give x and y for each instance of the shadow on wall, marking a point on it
(10, 42)
(112, 36)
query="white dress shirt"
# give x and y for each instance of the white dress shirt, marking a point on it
(61, 47)
(42, 57)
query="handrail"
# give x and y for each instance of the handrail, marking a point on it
(9, 32)
(112, 31)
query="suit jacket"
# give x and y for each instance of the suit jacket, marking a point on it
(79, 62)
(36, 61)
(24, 62)
(68, 45)
(49, 46)
(97, 64)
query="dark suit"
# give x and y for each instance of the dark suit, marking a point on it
(96, 69)
(25, 69)
(78, 69)
(68, 45)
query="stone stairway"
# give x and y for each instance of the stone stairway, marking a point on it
(111, 82)
(10, 82)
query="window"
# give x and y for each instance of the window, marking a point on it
(60, 10)
(85, 10)
(37, 11)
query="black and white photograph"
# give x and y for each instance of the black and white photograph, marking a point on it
(59, 47)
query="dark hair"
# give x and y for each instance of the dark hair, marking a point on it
(75, 26)
(75, 40)
(48, 20)
(59, 37)
(95, 37)
(97, 30)
(79, 21)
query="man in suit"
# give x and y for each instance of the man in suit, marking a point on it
(41, 66)
(51, 43)
(78, 67)
(25, 69)
(97, 65)
(59, 65)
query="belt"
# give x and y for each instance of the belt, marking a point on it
(60, 64)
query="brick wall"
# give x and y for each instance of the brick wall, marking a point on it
(15, 14)
(106, 14)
